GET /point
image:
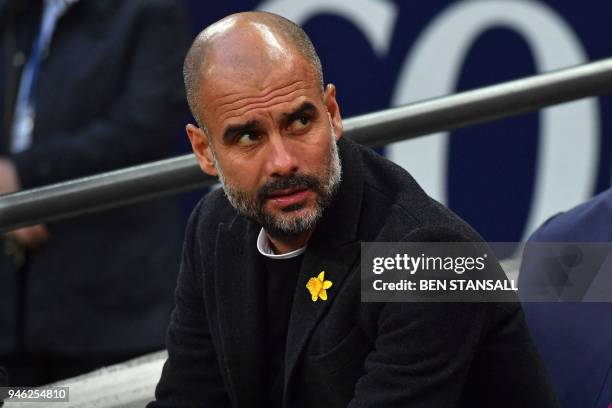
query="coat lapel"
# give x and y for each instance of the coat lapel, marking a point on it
(305, 314)
(333, 248)
(240, 298)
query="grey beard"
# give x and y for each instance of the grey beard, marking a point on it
(285, 226)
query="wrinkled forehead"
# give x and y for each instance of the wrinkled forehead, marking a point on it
(248, 69)
(232, 99)
(236, 84)
(248, 66)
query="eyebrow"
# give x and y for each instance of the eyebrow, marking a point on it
(306, 107)
(239, 129)
(232, 130)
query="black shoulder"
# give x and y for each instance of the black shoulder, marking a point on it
(403, 206)
(212, 210)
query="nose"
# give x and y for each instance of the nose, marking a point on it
(281, 160)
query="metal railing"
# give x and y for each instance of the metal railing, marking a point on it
(164, 177)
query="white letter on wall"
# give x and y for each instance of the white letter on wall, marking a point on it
(569, 133)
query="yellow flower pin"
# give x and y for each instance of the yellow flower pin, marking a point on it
(318, 287)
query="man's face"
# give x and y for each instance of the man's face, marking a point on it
(273, 138)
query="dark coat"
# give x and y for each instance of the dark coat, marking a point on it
(574, 338)
(109, 95)
(341, 352)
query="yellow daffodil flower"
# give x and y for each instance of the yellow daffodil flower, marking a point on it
(318, 287)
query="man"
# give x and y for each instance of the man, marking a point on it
(85, 87)
(574, 337)
(268, 300)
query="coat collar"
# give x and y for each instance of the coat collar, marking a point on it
(341, 220)
(240, 290)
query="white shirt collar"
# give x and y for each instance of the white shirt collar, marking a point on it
(264, 248)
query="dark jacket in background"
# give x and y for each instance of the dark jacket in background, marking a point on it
(109, 95)
(341, 352)
(574, 338)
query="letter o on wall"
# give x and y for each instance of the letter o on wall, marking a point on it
(569, 134)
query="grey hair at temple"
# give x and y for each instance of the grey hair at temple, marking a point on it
(195, 60)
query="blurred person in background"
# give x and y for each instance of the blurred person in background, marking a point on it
(86, 87)
(574, 337)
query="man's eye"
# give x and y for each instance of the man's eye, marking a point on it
(247, 138)
(301, 123)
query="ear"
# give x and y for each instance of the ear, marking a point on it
(201, 148)
(333, 109)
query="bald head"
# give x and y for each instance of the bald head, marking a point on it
(245, 44)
